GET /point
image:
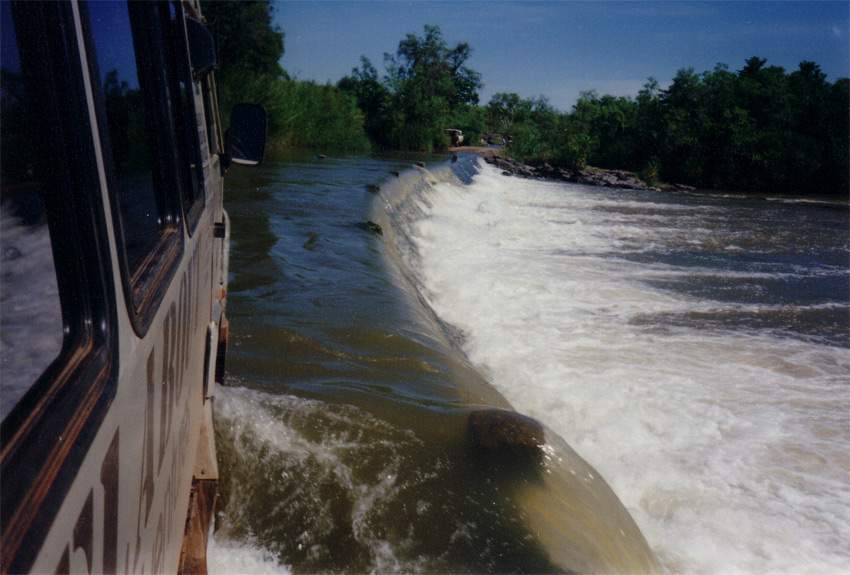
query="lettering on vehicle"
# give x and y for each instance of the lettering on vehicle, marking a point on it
(83, 536)
(165, 441)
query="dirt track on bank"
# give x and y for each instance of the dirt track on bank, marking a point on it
(481, 151)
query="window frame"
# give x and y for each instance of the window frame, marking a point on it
(69, 401)
(145, 286)
(189, 130)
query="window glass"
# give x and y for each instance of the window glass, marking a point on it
(141, 214)
(30, 313)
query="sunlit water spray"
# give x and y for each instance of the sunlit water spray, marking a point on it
(693, 349)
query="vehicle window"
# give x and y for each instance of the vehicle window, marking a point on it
(141, 213)
(30, 314)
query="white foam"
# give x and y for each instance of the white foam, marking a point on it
(310, 454)
(230, 557)
(729, 448)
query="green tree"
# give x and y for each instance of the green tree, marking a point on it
(649, 128)
(762, 92)
(373, 99)
(806, 157)
(245, 37)
(502, 111)
(300, 114)
(248, 48)
(611, 125)
(838, 155)
(430, 86)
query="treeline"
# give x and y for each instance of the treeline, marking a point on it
(756, 129)
(759, 128)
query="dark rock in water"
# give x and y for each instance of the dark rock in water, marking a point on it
(320, 157)
(420, 164)
(312, 241)
(373, 189)
(506, 436)
(397, 174)
(370, 226)
(595, 177)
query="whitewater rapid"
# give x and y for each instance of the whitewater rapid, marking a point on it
(627, 322)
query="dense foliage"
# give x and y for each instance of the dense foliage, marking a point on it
(426, 90)
(757, 129)
(300, 114)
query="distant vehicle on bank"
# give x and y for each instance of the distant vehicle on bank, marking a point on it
(115, 250)
(455, 136)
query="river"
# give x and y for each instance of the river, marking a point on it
(691, 348)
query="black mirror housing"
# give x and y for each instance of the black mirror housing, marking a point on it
(246, 138)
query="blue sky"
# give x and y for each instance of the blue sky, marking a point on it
(560, 49)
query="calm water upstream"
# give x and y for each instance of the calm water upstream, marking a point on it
(693, 349)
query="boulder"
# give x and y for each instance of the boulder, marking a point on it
(506, 436)
(370, 226)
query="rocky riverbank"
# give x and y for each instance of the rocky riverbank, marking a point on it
(591, 177)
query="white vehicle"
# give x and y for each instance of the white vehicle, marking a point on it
(114, 246)
(455, 137)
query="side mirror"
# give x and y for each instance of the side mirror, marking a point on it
(246, 138)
